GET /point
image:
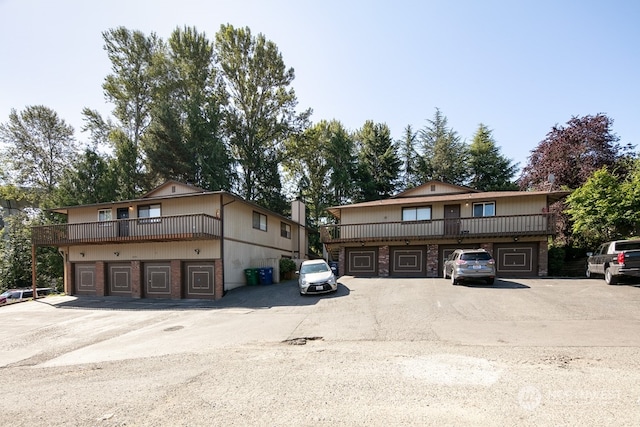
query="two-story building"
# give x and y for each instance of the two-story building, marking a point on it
(412, 233)
(177, 241)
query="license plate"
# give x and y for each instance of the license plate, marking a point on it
(477, 267)
(319, 288)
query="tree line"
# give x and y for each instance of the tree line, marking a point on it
(222, 114)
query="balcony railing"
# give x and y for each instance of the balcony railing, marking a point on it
(160, 229)
(494, 226)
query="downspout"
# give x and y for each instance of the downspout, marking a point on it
(222, 205)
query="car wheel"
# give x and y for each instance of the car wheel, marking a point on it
(444, 273)
(454, 281)
(490, 281)
(609, 278)
(588, 273)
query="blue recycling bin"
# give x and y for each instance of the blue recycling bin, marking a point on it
(266, 275)
(334, 267)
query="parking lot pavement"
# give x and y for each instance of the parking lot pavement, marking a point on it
(379, 351)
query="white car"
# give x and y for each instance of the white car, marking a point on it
(316, 277)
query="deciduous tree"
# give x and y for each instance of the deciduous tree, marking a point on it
(261, 111)
(572, 153)
(39, 145)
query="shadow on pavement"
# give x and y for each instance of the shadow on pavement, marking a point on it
(261, 296)
(498, 284)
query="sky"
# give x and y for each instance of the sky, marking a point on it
(518, 66)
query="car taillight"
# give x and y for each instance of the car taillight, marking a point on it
(491, 262)
(621, 258)
(461, 262)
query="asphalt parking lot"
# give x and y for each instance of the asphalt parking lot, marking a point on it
(379, 351)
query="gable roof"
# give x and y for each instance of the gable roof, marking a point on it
(439, 186)
(180, 188)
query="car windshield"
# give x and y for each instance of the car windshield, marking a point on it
(314, 268)
(476, 256)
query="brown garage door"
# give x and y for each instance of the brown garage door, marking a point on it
(200, 280)
(362, 262)
(85, 283)
(408, 261)
(516, 259)
(157, 280)
(120, 279)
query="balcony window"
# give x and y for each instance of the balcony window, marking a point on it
(422, 213)
(285, 230)
(149, 213)
(484, 209)
(259, 221)
(104, 215)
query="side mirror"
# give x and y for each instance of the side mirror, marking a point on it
(297, 272)
(589, 253)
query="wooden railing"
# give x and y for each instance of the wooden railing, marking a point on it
(166, 228)
(494, 226)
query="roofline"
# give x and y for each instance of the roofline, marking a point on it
(65, 210)
(552, 196)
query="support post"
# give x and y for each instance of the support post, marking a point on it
(34, 284)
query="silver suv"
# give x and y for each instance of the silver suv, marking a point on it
(470, 264)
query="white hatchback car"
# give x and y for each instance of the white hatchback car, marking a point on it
(316, 277)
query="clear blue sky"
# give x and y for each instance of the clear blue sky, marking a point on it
(520, 67)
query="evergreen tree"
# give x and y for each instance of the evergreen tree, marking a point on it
(490, 171)
(378, 162)
(409, 156)
(443, 156)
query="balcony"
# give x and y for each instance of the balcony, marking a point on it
(161, 229)
(484, 227)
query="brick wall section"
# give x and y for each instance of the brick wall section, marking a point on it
(543, 259)
(218, 279)
(70, 275)
(433, 266)
(383, 261)
(176, 279)
(100, 279)
(136, 279)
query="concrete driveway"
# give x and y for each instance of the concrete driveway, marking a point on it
(526, 352)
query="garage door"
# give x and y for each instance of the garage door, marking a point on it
(362, 262)
(120, 279)
(516, 259)
(157, 280)
(200, 280)
(408, 262)
(85, 279)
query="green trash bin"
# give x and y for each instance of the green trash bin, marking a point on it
(251, 274)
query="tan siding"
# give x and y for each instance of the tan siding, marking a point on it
(238, 225)
(438, 188)
(209, 249)
(207, 204)
(525, 205)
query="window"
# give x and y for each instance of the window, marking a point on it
(422, 213)
(145, 213)
(104, 215)
(285, 230)
(259, 221)
(484, 209)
